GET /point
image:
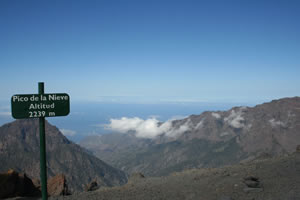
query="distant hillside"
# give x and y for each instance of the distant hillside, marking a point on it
(19, 150)
(211, 139)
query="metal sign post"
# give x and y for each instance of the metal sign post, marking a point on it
(43, 150)
(41, 105)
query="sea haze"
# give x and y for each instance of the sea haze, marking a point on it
(88, 118)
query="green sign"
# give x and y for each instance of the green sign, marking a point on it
(40, 105)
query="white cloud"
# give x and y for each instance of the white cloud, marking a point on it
(149, 128)
(249, 126)
(199, 125)
(235, 119)
(144, 128)
(274, 123)
(5, 111)
(224, 134)
(5, 114)
(177, 131)
(216, 115)
(67, 132)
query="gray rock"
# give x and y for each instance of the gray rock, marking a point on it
(251, 178)
(252, 184)
(91, 186)
(225, 198)
(250, 190)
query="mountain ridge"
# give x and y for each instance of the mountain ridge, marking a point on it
(19, 150)
(240, 133)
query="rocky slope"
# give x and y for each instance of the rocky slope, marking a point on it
(19, 150)
(275, 178)
(211, 139)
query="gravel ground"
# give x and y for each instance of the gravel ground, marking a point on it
(273, 179)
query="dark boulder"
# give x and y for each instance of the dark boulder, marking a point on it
(57, 186)
(92, 186)
(14, 184)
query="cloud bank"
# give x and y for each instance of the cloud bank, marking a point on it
(5, 114)
(275, 123)
(216, 115)
(235, 119)
(149, 128)
(67, 132)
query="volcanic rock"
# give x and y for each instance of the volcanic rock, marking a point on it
(252, 182)
(298, 149)
(57, 186)
(14, 184)
(91, 186)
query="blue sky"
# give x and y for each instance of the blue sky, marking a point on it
(151, 51)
